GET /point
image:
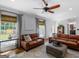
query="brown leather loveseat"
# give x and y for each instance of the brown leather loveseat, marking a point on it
(36, 41)
(72, 41)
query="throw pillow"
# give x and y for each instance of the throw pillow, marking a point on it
(35, 38)
(27, 38)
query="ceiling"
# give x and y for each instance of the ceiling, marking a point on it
(68, 9)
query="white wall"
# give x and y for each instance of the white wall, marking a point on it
(28, 24)
(70, 20)
(50, 27)
(77, 26)
(64, 23)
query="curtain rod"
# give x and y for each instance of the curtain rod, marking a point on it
(11, 12)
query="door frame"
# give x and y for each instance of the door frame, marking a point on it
(37, 26)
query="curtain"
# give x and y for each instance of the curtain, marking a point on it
(19, 28)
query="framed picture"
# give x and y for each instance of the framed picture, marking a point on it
(72, 28)
(60, 29)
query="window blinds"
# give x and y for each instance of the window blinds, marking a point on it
(7, 18)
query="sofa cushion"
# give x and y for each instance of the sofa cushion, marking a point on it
(74, 36)
(33, 42)
(58, 35)
(39, 40)
(64, 36)
(33, 35)
(68, 42)
(71, 43)
(77, 37)
(61, 40)
(72, 40)
(27, 38)
(35, 38)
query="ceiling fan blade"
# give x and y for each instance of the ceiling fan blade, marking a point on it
(54, 6)
(37, 8)
(46, 4)
(51, 11)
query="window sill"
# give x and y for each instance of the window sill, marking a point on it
(8, 40)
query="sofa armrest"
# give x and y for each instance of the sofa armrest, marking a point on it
(78, 42)
(25, 45)
(41, 38)
(50, 38)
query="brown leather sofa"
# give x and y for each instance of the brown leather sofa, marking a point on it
(36, 41)
(72, 41)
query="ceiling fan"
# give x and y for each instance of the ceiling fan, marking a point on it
(48, 9)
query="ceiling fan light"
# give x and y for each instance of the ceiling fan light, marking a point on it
(70, 9)
(75, 16)
(12, 0)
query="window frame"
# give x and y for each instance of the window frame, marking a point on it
(12, 25)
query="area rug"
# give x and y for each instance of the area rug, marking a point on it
(40, 52)
(4, 56)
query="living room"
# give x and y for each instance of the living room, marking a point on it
(30, 29)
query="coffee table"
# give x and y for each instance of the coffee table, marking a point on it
(58, 52)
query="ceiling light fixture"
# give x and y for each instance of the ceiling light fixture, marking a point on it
(70, 9)
(12, 0)
(75, 16)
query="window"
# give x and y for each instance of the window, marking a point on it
(8, 27)
(41, 27)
